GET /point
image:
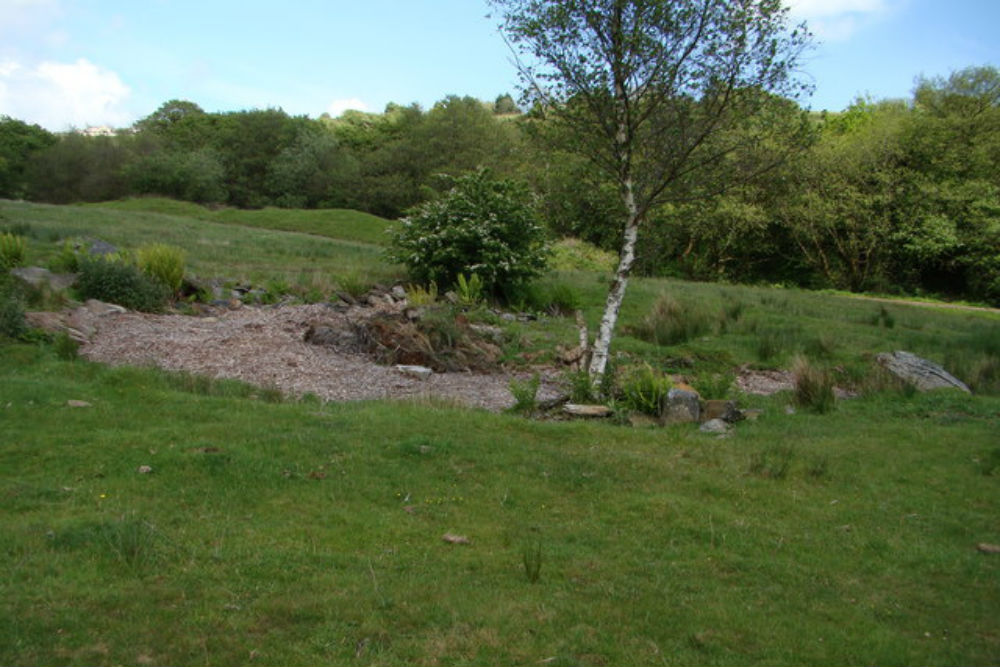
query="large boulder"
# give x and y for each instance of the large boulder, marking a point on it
(922, 374)
(680, 406)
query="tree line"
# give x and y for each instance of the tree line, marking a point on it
(890, 195)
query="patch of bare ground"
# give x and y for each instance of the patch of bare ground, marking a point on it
(265, 346)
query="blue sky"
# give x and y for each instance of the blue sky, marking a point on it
(76, 63)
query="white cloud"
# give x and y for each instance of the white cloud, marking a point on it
(338, 107)
(62, 95)
(838, 20)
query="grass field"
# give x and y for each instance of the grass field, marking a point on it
(331, 247)
(294, 532)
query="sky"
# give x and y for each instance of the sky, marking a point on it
(80, 63)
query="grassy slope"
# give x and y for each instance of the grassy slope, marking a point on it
(217, 249)
(280, 532)
(341, 224)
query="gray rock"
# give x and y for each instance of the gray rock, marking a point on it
(417, 372)
(398, 292)
(680, 407)
(39, 277)
(922, 374)
(714, 426)
(100, 248)
(580, 410)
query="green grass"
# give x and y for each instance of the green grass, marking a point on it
(214, 249)
(341, 224)
(292, 532)
(300, 533)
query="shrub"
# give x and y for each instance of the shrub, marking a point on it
(164, 263)
(116, 281)
(813, 387)
(482, 227)
(12, 250)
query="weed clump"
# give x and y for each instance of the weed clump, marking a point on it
(13, 249)
(772, 462)
(644, 389)
(525, 393)
(813, 387)
(164, 263)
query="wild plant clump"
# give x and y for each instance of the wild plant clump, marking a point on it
(117, 281)
(813, 387)
(163, 262)
(13, 249)
(644, 389)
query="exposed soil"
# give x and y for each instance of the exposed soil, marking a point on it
(265, 346)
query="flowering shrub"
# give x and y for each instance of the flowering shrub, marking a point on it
(481, 227)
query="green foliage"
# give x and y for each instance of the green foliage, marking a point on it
(18, 142)
(164, 263)
(644, 389)
(571, 254)
(581, 389)
(481, 227)
(13, 250)
(419, 295)
(712, 386)
(195, 175)
(120, 282)
(67, 260)
(470, 291)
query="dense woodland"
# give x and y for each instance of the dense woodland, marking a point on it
(898, 196)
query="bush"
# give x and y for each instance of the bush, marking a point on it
(164, 263)
(12, 251)
(482, 226)
(116, 281)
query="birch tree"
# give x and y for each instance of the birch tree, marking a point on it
(653, 92)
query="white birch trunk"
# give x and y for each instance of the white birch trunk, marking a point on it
(616, 294)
